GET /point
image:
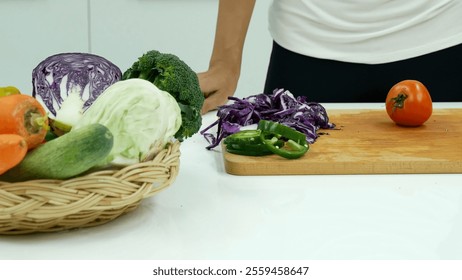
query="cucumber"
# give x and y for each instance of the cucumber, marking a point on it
(64, 157)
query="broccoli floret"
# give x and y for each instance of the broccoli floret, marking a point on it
(169, 73)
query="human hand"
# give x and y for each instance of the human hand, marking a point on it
(217, 84)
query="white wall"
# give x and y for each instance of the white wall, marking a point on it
(32, 30)
(121, 31)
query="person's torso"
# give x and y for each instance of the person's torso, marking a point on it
(366, 31)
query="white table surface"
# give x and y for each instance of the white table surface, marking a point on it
(209, 214)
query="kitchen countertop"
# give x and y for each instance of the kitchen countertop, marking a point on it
(209, 214)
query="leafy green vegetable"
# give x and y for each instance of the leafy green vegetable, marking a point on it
(169, 73)
(138, 114)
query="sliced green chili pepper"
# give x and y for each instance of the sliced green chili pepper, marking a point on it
(269, 138)
(290, 149)
(244, 137)
(280, 130)
(247, 142)
(256, 150)
(294, 146)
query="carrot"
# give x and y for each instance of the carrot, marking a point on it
(23, 115)
(13, 148)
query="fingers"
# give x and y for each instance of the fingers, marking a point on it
(206, 84)
(212, 102)
(216, 87)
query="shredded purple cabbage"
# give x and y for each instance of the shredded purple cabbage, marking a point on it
(280, 106)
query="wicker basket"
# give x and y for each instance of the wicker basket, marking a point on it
(89, 200)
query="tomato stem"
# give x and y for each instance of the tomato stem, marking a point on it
(398, 101)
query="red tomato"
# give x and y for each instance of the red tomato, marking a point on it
(409, 103)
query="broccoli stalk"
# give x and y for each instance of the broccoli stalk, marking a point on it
(169, 73)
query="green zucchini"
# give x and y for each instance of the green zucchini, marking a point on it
(64, 157)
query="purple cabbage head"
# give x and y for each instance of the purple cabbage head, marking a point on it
(57, 75)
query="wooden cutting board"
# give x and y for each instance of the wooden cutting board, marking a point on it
(368, 142)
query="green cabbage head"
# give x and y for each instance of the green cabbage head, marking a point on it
(138, 114)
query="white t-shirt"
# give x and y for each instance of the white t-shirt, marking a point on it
(366, 31)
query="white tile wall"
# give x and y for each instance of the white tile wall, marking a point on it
(122, 30)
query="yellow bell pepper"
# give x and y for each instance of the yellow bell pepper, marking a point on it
(9, 90)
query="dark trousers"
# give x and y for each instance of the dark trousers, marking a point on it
(323, 80)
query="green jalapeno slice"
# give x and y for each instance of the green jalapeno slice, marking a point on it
(269, 138)
(294, 145)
